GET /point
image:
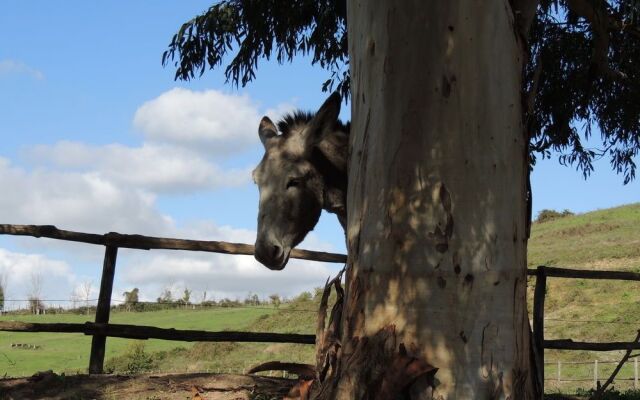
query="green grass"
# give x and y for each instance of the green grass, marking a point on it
(584, 239)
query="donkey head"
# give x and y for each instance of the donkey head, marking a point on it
(291, 187)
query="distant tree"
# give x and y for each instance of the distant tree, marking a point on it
(186, 296)
(204, 296)
(275, 300)
(4, 278)
(35, 294)
(252, 299)
(85, 289)
(166, 296)
(131, 298)
(1, 299)
(75, 298)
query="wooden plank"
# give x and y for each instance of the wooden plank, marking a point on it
(149, 242)
(98, 342)
(538, 322)
(568, 344)
(585, 274)
(150, 332)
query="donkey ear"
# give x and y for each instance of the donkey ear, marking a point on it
(325, 119)
(266, 130)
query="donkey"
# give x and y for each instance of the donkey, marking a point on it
(302, 172)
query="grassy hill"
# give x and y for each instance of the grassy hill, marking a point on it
(589, 310)
(579, 309)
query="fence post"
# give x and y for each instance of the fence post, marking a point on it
(635, 373)
(595, 374)
(538, 323)
(559, 371)
(98, 342)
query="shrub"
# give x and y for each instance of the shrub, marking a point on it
(134, 361)
(549, 215)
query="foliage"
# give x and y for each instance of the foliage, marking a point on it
(166, 296)
(36, 306)
(186, 296)
(549, 215)
(134, 361)
(303, 297)
(131, 298)
(1, 298)
(589, 76)
(275, 300)
(582, 70)
(263, 29)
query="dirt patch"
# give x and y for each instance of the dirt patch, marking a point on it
(50, 386)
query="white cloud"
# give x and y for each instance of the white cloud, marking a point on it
(76, 201)
(10, 67)
(19, 270)
(154, 167)
(208, 120)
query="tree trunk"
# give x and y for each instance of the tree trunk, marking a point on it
(436, 205)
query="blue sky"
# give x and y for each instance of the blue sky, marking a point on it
(97, 136)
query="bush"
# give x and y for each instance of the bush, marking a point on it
(134, 361)
(549, 215)
(211, 351)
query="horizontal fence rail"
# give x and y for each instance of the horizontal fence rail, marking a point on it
(141, 242)
(151, 332)
(585, 274)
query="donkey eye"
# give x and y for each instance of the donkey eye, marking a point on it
(294, 182)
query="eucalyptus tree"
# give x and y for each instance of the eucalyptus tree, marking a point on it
(452, 103)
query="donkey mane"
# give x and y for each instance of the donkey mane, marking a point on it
(292, 121)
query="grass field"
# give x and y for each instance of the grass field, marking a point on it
(579, 309)
(70, 352)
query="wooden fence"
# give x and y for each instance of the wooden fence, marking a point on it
(541, 274)
(101, 329)
(595, 368)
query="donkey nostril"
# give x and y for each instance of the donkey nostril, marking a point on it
(276, 251)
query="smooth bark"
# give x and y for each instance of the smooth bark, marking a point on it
(437, 205)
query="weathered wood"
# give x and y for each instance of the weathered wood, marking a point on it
(538, 322)
(98, 343)
(150, 332)
(149, 242)
(584, 274)
(601, 390)
(568, 344)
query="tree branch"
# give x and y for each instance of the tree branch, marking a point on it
(599, 20)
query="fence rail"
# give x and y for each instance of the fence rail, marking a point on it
(141, 242)
(151, 332)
